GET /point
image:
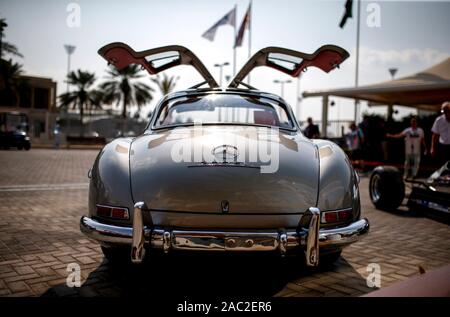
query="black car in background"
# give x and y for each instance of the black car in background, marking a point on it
(13, 131)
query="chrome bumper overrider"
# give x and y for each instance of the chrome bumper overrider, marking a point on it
(308, 237)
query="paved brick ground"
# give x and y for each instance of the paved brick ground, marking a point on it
(39, 237)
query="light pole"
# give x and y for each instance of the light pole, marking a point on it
(3, 25)
(392, 71)
(282, 82)
(221, 70)
(69, 50)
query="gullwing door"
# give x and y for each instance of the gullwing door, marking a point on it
(155, 60)
(292, 62)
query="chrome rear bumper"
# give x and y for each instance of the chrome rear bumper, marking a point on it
(308, 238)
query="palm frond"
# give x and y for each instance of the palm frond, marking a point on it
(122, 86)
(165, 83)
(10, 49)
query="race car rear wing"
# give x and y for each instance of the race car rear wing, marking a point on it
(292, 62)
(155, 60)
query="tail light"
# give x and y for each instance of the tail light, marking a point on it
(336, 215)
(113, 212)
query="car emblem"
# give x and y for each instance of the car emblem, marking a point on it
(225, 153)
(225, 206)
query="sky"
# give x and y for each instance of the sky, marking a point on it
(410, 36)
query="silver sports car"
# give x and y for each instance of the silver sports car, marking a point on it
(223, 169)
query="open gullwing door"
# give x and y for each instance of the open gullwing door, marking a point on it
(154, 60)
(292, 62)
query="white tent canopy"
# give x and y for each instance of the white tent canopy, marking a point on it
(427, 90)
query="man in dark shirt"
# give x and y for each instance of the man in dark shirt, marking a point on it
(312, 130)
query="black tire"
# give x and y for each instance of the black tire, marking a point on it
(116, 254)
(386, 188)
(328, 259)
(27, 146)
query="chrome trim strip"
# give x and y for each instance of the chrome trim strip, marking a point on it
(197, 240)
(345, 235)
(108, 233)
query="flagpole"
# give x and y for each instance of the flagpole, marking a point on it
(234, 39)
(357, 58)
(250, 37)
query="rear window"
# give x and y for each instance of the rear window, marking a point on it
(225, 109)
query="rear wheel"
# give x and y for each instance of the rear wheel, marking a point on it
(386, 188)
(328, 259)
(116, 254)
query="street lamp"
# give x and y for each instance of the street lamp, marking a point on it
(393, 71)
(282, 82)
(221, 67)
(69, 50)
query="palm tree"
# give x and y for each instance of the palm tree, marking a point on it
(122, 87)
(6, 47)
(165, 84)
(83, 97)
(11, 82)
(10, 49)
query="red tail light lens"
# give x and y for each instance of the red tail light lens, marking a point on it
(103, 211)
(121, 213)
(336, 215)
(330, 217)
(345, 214)
(113, 212)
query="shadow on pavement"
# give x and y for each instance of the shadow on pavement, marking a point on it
(199, 274)
(405, 211)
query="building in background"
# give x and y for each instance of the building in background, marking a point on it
(38, 103)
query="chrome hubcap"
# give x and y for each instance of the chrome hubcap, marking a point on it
(375, 188)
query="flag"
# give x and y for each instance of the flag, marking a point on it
(244, 25)
(347, 13)
(228, 18)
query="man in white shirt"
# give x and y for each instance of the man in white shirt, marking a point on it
(440, 145)
(414, 139)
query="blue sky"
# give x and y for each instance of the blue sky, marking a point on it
(411, 37)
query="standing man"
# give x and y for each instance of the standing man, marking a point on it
(355, 139)
(414, 139)
(440, 143)
(312, 130)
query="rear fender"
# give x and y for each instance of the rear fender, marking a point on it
(338, 182)
(110, 177)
